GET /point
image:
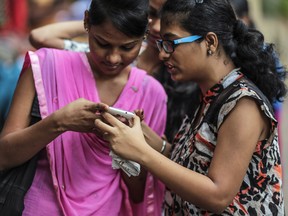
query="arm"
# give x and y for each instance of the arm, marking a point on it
(237, 140)
(19, 141)
(154, 140)
(53, 35)
(134, 183)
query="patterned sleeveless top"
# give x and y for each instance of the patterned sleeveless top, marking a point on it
(256, 196)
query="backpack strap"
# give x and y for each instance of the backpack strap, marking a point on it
(211, 116)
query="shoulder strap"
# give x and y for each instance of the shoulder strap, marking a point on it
(213, 111)
(35, 111)
(252, 86)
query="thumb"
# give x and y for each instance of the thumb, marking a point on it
(136, 122)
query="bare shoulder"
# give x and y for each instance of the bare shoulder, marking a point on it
(247, 117)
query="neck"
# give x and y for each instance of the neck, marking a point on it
(216, 73)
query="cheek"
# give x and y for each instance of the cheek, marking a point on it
(130, 56)
(96, 51)
(191, 57)
(96, 56)
(188, 66)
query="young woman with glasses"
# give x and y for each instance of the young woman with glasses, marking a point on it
(225, 160)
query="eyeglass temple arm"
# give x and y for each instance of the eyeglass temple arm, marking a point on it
(187, 39)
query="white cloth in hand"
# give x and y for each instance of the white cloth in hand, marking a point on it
(128, 166)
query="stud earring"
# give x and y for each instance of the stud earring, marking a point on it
(209, 52)
(86, 29)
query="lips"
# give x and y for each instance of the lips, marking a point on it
(170, 67)
(111, 66)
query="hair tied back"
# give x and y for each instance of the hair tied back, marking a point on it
(240, 30)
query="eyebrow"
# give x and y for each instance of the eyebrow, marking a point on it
(169, 35)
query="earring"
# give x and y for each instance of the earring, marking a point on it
(146, 34)
(86, 29)
(209, 52)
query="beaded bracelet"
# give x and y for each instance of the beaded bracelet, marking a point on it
(163, 146)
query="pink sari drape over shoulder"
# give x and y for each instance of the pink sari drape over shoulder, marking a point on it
(80, 165)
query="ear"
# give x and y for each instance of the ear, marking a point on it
(212, 42)
(86, 20)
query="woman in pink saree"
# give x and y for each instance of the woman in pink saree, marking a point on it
(74, 174)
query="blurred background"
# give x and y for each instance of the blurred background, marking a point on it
(271, 18)
(18, 17)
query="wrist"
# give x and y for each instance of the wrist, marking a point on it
(58, 124)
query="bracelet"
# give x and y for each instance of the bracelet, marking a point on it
(163, 146)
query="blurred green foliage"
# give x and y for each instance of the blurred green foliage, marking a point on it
(284, 8)
(275, 8)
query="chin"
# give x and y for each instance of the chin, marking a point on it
(179, 78)
(176, 77)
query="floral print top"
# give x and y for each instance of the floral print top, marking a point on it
(194, 149)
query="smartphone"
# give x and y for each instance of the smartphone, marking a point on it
(120, 112)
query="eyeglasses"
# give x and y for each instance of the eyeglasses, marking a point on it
(169, 45)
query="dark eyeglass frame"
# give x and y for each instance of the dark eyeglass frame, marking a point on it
(169, 45)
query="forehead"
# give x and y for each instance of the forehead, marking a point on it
(156, 4)
(110, 33)
(172, 30)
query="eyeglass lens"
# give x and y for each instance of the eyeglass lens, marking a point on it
(166, 45)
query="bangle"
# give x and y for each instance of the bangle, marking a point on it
(163, 146)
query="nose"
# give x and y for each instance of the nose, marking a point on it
(163, 55)
(113, 57)
(155, 26)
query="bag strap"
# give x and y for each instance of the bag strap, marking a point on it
(15, 182)
(212, 113)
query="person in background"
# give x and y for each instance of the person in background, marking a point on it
(225, 160)
(182, 97)
(241, 8)
(74, 174)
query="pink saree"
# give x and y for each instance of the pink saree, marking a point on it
(83, 181)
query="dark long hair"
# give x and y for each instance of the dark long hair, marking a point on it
(244, 46)
(128, 16)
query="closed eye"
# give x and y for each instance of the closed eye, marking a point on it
(127, 48)
(102, 44)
